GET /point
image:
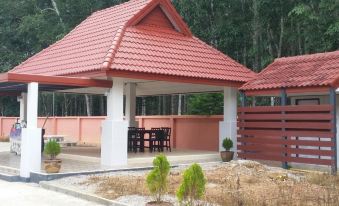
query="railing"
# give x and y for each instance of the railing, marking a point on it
(299, 134)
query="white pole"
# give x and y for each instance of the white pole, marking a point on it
(228, 127)
(114, 128)
(31, 136)
(131, 104)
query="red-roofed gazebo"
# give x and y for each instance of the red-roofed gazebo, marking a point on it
(141, 47)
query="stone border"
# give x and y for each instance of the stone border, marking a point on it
(81, 195)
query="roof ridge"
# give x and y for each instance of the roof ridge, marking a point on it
(114, 47)
(308, 56)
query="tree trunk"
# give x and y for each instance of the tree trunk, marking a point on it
(281, 36)
(256, 32)
(179, 104)
(88, 105)
(56, 9)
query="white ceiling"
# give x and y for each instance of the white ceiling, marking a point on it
(147, 88)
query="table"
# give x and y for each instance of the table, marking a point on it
(159, 137)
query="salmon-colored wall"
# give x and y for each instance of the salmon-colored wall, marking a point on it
(188, 132)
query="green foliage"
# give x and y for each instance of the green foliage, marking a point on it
(205, 104)
(52, 149)
(227, 144)
(157, 178)
(192, 187)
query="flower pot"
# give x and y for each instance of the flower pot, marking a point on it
(226, 156)
(52, 166)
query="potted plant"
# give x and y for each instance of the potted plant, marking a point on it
(227, 155)
(52, 149)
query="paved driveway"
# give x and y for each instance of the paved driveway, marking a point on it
(27, 194)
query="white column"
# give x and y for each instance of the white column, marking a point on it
(130, 104)
(31, 136)
(114, 128)
(228, 127)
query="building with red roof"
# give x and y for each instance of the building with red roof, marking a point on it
(141, 47)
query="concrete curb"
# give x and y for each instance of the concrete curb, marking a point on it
(81, 195)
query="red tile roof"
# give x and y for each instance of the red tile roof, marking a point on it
(146, 36)
(312, 70)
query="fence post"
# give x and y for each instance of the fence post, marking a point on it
(334, 130)
(283, 102)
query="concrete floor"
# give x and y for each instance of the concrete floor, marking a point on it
(17, 193)
(81, 159)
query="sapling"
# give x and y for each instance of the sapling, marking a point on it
(157, 178)
(192, 187)
(52, 149)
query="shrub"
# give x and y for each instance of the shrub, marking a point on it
(227, 144)
(192, 187)
(157, 178)
(52, 149)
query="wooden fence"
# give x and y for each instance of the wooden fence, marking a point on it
(300, 134)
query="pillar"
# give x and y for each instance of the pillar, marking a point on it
(333, 102)
(228, 127)
(131, 104)
(23, 107)
(114, 128)
(31, 136)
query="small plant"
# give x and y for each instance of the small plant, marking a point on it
(227, 144)
(157, 178)
(192, 187)
(52, 149)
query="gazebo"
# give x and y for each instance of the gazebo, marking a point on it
(141, 47)
(303, 126)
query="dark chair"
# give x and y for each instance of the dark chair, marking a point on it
(157, 140)
(131, 135)
(138, 142)
(167, 138)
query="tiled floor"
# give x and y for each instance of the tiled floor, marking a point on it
(79, 159)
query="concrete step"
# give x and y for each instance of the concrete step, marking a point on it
(9, 174)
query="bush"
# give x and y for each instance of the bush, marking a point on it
(227, 144)
(192, 187)
(157, 178)
(52, 149)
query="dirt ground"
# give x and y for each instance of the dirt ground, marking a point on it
(235, 183)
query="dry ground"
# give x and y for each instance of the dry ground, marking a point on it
(236, 183)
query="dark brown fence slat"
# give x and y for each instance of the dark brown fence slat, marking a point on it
(310, 116)
(294, 125)
(286, 142)
(298, 133)
(270, 149)
(286, 159)
(303, 108)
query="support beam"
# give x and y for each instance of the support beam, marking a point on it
(31, 136)
(283, 102)
(333, 102)
(131, 104)
(228, 127)
(114, 128)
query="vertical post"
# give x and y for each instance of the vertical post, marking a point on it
(31, 136)
(333, 102)
(23, 107)
(131, 104)
(114, 128)
(228, 127)
(283, 97)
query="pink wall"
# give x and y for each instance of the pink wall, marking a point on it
(188, 132)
